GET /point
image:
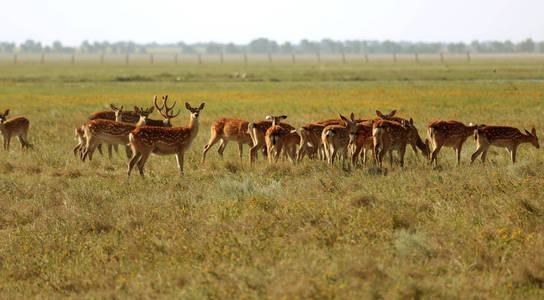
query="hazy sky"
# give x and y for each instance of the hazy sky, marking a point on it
(239, 21)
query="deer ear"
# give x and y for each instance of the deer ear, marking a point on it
(269, 117)
(379, 114)
(283, 117)
(411, 121)
(533, 131)
(201, 106)
(527, 132)
(151, 109)
(352, 117)
(187, 106)
(113, 107)
(392, 113)
(136, 109)
(6, 112)
(121, 108)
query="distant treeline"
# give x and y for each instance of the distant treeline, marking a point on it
(263, 45)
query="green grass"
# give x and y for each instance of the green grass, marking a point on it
(231, 230)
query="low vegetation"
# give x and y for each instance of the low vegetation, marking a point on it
(233, 230)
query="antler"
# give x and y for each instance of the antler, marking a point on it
(164, 106)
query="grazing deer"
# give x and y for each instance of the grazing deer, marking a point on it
(361, 141)
(163, 141)
(310, 141)
(277, 138)
(391, 117)
(14, 127)
(225, 130)
(390, 135)
(335, 139)
(449, 134)
(504, 137)
(110, 132)
(257, 131)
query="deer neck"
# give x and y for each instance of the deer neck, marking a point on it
(193, 126)
(525, 138)
(140, 123)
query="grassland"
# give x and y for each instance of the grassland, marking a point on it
(231, 230)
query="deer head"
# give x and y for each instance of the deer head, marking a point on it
(276, 119)
(143, 113)
(351, 127)
(118, 112)
(195, 112)
(3, 116)
(386, 117)
(532, 137)
(167, 113)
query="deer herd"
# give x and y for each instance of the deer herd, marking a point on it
(325, 140)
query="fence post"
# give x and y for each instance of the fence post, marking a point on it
(42, 58)
(269, 58)
(441, 57)
(126, 59)
(416, 57)
(151, 58)
(199, 58)
(73, 59)
(102, 58)
(394, 57)
(221, 57)
(468, 56)
(14, 59)
(366, 58)
(293, 57)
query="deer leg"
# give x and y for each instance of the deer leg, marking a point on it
(179, 159)
(213, 139)
(109, 150)
(301, 151)
(402, 151)
(240, 150)
(133, 160)
(355, 155)
(222, 147)
(484, 154)
(7, 144)
(333, 155)
(253, 152)
(459, 149)
(475, 155)
(513, 154)
(434, 154)
(391, 157)
(415, 150)
(141, 162)
(277, 153)
(76, 149)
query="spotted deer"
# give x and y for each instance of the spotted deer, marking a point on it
(503, 137)
(335, 139)
(109, 132)
(278, 139)
(310, 141)
(163, 141)
(361, 141)
(389, 135)
(14, 127)
(224, 130)
(391, 117)
(257, 131)
(449, 134)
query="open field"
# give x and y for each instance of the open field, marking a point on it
(231, 230)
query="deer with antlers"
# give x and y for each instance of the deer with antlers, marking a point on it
(163, 141)
(111, 132)
(390, 135)
(14, 127)
(335, 139)
(278, 139)
(225, 130)
(257, 131)
(503, 137)
(449, 134)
